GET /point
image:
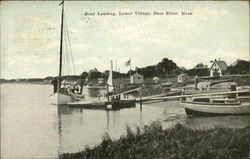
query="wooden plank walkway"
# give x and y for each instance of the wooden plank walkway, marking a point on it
(194, 95)
(103, 104)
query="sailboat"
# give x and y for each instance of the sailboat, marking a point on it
(61, 96)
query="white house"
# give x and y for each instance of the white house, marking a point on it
(218, 68)
(136, 78)
(100, 80)
(183, 78)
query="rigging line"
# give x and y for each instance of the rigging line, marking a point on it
(64, 64)
(67, 56)
(70, 50)
(67, 51)
(71, 54)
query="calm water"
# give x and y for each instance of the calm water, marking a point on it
(33, 128)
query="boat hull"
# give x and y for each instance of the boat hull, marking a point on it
(216, 110)
(59, 98)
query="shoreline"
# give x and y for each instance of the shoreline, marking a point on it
(177, 142)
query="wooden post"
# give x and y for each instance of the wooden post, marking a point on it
(108, 92)
(119, 90)
(61, 49)
(233, 88)
(140, 100)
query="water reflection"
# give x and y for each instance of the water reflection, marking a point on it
(44, 130)
(88, 125)
(94, 92)
(79, 127)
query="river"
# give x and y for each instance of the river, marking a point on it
(33, 128)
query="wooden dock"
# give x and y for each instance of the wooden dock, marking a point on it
(115, 102)
(104, 104)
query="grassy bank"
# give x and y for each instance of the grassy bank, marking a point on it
(178, 142)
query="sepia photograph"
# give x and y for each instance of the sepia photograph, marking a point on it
(124, 79)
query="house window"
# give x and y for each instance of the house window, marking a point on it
(139, 78)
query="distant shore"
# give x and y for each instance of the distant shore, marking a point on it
(178, 142)
(240, 78)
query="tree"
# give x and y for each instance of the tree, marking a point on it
(94, 74)
(84, 74)
(239, 67)
(166, 66)
(200, 66)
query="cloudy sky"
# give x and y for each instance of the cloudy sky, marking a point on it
(30, 35)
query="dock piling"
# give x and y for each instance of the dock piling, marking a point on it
(140, 100)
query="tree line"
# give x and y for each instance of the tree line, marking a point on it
(164, 68)
(168, 68)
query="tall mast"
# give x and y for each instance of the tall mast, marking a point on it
(111, 73)
(61, 48)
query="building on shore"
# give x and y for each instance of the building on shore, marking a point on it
(136, 78)
(100, 80)
(218, 68)
(182, 78)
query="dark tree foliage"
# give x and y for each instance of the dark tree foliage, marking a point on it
(200, 65)
(84, 74)
(3, 80)
(198, 72)
(71, 77)
(118, 75)
(164, 68)
(241, 67)
(35, 80)
(49, 78)
(149, 71)
(95, 75)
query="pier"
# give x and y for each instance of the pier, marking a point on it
(113, 102)
(104, 104)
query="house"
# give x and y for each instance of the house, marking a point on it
(218, 68)
(183, 78)
(136, 78)
(100, 80)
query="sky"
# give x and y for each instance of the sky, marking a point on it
(30, 35)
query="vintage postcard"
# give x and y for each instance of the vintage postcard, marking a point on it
(125, 79)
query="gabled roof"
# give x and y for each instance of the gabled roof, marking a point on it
(182, 75)
(136, 74)
(221, 64)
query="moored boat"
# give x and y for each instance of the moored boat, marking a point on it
(63, 95)
(219, 98)
(211, 106)
(61, 98)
